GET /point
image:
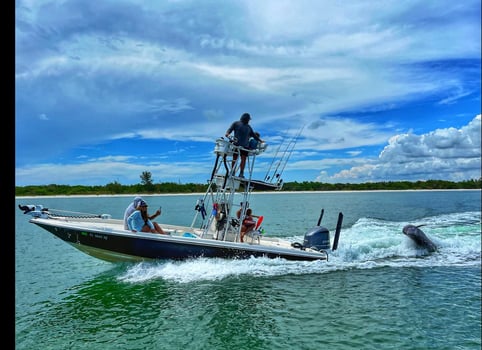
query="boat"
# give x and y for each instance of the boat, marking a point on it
(215, 228)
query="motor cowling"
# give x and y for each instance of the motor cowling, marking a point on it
(317, 238)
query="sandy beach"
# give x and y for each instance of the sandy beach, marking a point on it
(201, 194)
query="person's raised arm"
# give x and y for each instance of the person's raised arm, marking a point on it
(155, 215)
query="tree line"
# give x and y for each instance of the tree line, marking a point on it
(147, 186)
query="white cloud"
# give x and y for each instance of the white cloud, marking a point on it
(443, 154)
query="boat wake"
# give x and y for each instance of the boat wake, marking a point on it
(369, 243)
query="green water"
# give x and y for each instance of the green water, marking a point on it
(411, 308)
(376, 292)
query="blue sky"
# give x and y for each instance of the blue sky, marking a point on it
(382, 90)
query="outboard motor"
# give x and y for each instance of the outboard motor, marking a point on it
(317, 238)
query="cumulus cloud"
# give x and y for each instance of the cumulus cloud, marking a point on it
(443, 154)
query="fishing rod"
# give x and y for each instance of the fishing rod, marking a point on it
(292, 149)
(289, 148)
(266, 177)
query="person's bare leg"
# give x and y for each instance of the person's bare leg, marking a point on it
(158, 228)
(241, 236)
(242, 165)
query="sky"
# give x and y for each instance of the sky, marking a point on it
(365, 91)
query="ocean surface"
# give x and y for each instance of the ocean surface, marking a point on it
(377, 291)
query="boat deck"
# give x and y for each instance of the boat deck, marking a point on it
(116, 226)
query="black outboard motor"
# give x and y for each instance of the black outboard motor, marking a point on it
(317, 238)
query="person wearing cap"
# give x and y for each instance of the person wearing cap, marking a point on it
(130, 209)
(242, 133)
(140, 221)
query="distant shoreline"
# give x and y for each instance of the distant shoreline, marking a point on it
(270, 192)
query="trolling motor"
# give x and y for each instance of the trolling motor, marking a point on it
(318, 237)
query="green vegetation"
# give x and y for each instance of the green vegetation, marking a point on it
(109, 189)
(146, 186)
(385, 185)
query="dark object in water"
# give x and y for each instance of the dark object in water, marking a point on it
(419, 237)
(28, 208)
